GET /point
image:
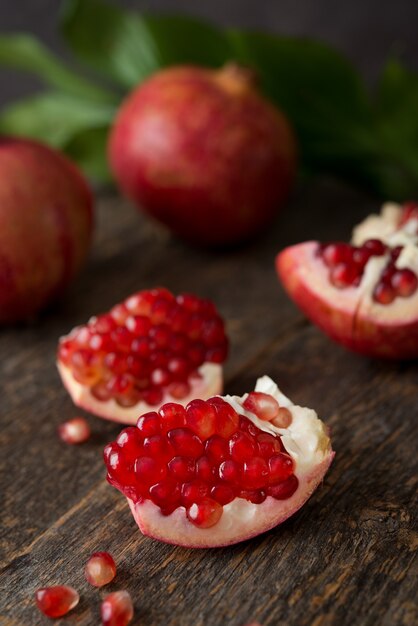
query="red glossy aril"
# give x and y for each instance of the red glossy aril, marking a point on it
(164, 461)
(344, 275)
(74, 431)
(283, 419)
(384, 293)
(56, 601)
(285, 489)
(206, 513)
(150, 344)
(100, 569)
(404, 282)
(262, 404)
(117, 609)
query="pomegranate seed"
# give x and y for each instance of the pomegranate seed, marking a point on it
(404, 282)
(149, 424)
(194, 491)
(216, 448)
(201, 418)
(263, 405)
(204, 469)
(104, 324)
(255, 472)
(100, 569)
(280, 467)
(165, 493)
(376, 247)
(172, 416)
(185, 443)
(117, 609)
(74, 431)
(344, 275)
(241, 446)
(283, 419)
(227, 419)
(222, 494)
(268, 445)
(256, 496)
(181, 468)
(229, 471)
(148, 470)
(383, 293)
(138, 325)
(285, 489)
(205, 514)
(179, 391)
(335, 253)
(56, 601)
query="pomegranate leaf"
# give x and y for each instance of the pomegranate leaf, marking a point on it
(24, 52)
(55, 117)
(127, 47)
(88, 149)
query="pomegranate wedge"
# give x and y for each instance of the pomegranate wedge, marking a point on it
(150, 349)
(364, 295)
(216, 473)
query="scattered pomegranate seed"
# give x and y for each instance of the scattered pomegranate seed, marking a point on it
(100, 569)
(117, 609)
(56, 601)
(149, 344)
(263, 405)
(75, 430)
(176, 457)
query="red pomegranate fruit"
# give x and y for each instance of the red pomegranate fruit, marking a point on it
(364, 295)
(150, 349)
(45, 226)
(215, 473)
(202, 151)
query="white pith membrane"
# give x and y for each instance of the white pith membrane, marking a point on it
(307, 442)
(209, 384)
(350, 307)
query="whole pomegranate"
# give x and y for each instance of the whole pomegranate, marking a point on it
(45, 226)
(203, 152)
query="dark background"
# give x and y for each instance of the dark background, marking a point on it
(367, 31)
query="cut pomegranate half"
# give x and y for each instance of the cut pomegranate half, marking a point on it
(364, 295)
(150, 349)
(214, 473)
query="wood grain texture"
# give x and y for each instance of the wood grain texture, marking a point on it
(346, 559)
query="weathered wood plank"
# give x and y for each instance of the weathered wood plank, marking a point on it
(346, 558)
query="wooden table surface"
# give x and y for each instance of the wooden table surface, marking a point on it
(347, 558)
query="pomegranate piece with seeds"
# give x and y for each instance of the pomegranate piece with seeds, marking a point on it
(364, 295)
(150, 349)
(56, 601)
(74, 431)
(219, 471)
(100, 569)
(117, 609)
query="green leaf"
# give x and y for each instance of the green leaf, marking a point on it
(89, 149)
(397, 128)
(127, 47)
(54, 117)
(182, 40)
(320, 93)
(25, 53)
(116, 43)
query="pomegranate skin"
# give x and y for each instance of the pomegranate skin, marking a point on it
(46, 220)
(203, 152)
